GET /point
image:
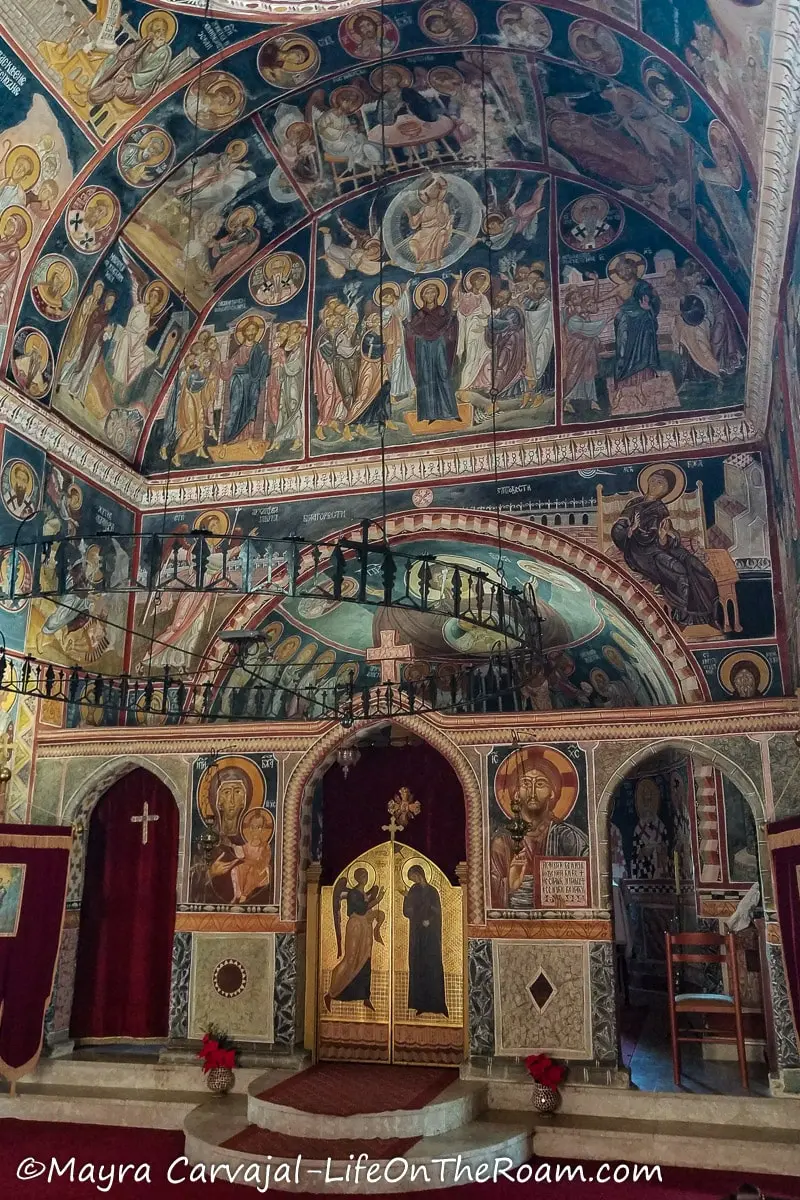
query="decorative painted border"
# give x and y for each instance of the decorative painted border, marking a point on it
(544, 452)
(544, 931)
(776, 194)
(193, 922)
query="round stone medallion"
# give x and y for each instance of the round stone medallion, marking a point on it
(230, 978)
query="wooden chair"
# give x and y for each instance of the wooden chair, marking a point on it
(703, 949)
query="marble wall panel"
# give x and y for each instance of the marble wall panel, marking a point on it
(286, 989)
(602, 977)
(179, 988)
(481, 996)
(232, 985)
(541, 998)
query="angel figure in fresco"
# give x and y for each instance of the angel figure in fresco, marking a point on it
(513, 870)
(351, 978)
(362, 254)
(505, 219)
(130, 354)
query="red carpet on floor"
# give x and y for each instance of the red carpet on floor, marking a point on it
(254, 1140)
(347, 1089)
(103, 1146)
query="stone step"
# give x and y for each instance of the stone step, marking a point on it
(754, 1149)
(158, 1076)
(140, 1107)
(472, 1152)
(458, 1104)
(513, 1093)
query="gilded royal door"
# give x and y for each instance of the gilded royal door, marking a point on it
(391, 962)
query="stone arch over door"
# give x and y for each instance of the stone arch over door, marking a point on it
(322, 754)
(738, 759)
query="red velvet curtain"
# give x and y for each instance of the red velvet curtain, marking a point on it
(783, 838)
(30, 935)
(354, 808)
(122, 983)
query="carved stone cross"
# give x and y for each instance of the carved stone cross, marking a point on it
(389, 655)
(144, 820)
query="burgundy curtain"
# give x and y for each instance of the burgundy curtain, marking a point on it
(122, 982)
(32, 920)
(783, 838)
(354, 808)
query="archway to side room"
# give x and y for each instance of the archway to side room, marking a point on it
(683, 847)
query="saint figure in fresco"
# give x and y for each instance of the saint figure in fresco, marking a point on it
(431, 339)
(422, 907)
(636, 326)
(651, 547)
(351, 978)
(247, 369)
(513, 871)
(138, 67)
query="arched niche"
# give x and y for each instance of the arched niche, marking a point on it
(313, 765)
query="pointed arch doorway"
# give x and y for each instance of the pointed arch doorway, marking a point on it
(127, 922)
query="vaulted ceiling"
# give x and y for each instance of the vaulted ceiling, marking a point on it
(216, 232)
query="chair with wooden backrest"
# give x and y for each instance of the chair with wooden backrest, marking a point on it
(703, 949)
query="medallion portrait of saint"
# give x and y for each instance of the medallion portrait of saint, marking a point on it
(54, 287)
(540, 785)
(351, 978)
(20, 489)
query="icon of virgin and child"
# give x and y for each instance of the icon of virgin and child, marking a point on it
(351, 978)
(540, 786)
(230, 795)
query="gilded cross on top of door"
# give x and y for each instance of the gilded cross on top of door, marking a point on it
(144, 820)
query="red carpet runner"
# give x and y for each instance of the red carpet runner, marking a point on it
(347, 1089)
(106, 1146)
(254, 1140)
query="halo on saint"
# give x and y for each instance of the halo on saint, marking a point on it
(390, 288)
(733, 663)
(249, 320)
(416, 861)
(631, 256)
(671, 472)
(361, 864)
(441, 291)
(557, 769)
(159, 17)
(160, 291)
(25, 154)
(15, 210)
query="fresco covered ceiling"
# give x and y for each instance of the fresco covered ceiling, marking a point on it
(226, 245)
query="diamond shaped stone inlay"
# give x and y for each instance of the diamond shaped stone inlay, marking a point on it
(541, 991)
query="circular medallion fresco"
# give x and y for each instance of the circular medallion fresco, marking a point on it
(229, 978)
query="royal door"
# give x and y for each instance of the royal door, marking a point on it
(391, 962)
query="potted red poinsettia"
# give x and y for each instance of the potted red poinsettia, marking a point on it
(219, 1059)
(547, 1076)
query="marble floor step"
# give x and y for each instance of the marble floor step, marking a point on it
(152, 1076)
(750, 1148)
(457, 1104)
(219, 1136)
(141, 1107)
